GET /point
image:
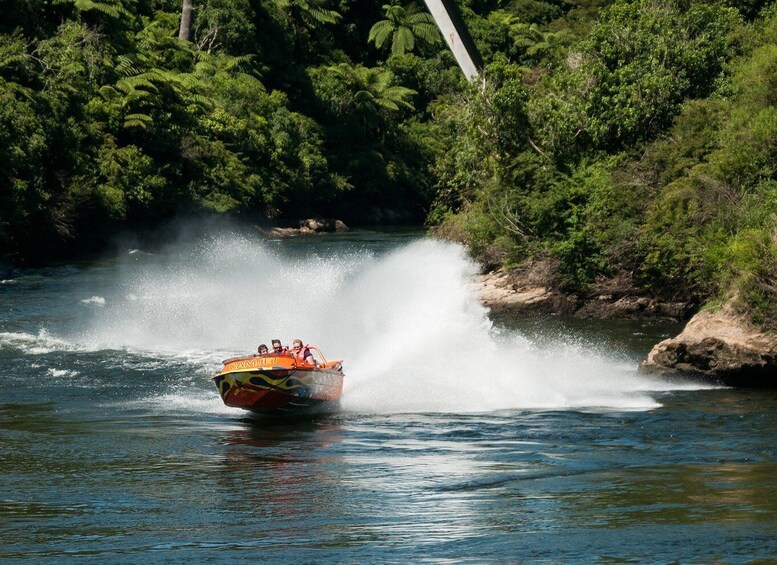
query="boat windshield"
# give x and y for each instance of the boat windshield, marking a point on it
(317, 355)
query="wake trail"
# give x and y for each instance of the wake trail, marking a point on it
(407, 323)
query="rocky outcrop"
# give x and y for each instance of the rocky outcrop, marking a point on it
(632, 307)
(719, 346)
(534, 289)
(311, 226)
(498, 292)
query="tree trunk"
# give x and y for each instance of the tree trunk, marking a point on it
(186, 20)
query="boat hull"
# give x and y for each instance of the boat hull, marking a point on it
(279, 383)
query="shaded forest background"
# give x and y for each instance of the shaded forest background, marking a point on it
(610, 140)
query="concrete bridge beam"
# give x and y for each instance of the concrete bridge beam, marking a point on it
(457, 36)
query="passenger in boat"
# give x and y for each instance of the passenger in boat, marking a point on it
(302, 352)
(263, 349)
(278, 349)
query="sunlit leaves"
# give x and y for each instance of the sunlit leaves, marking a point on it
(103, 10)
(111, 8)
(531, 43)
(402, 26)
(631, 75)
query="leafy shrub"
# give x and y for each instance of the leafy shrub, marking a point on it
(630, 77)
(752, 273)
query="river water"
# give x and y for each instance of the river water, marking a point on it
(460, 437)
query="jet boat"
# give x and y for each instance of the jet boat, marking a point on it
(280, 382)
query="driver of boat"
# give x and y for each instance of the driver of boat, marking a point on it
(302, 352)
(263, 349)
(277, 348)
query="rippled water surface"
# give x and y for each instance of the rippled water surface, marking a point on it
(459, 438)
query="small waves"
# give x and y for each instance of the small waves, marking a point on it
(44, 343)
(186, 400)
(36, 344)
(59, 373)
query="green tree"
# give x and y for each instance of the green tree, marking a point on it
(530, 43)
(111, 8)
(304, 16)
(310, 12)
(374, 93)
(403, 26)
(626, 82)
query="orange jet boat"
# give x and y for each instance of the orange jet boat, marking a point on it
(280, 382)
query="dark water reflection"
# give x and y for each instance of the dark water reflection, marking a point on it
(692, 481)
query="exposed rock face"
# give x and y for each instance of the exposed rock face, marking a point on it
(498, 293)
(317, 225)
(534, 289)
(719, 346)
(311, 226)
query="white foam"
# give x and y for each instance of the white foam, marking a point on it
(37, 344)
(408, 325)
(189, 400)
(58, 373)
(99, 300)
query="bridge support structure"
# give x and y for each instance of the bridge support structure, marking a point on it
(457, 36)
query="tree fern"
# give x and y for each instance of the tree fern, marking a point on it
(126, 66)
(397, 96)
(142, 121)
(381, 32)
(403, 40)
(138, 82)
(311, 12)
(373, 87)
(112, 8)
(404, 26)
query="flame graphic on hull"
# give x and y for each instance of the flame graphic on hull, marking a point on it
(280, 382)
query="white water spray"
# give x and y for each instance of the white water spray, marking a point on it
(408, 325)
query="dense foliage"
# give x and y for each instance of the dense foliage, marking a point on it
(277, 108)
(628, 139)
(644, 150)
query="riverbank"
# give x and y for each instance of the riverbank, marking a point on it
(532, 290)
(719, 346)
(309, 226)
